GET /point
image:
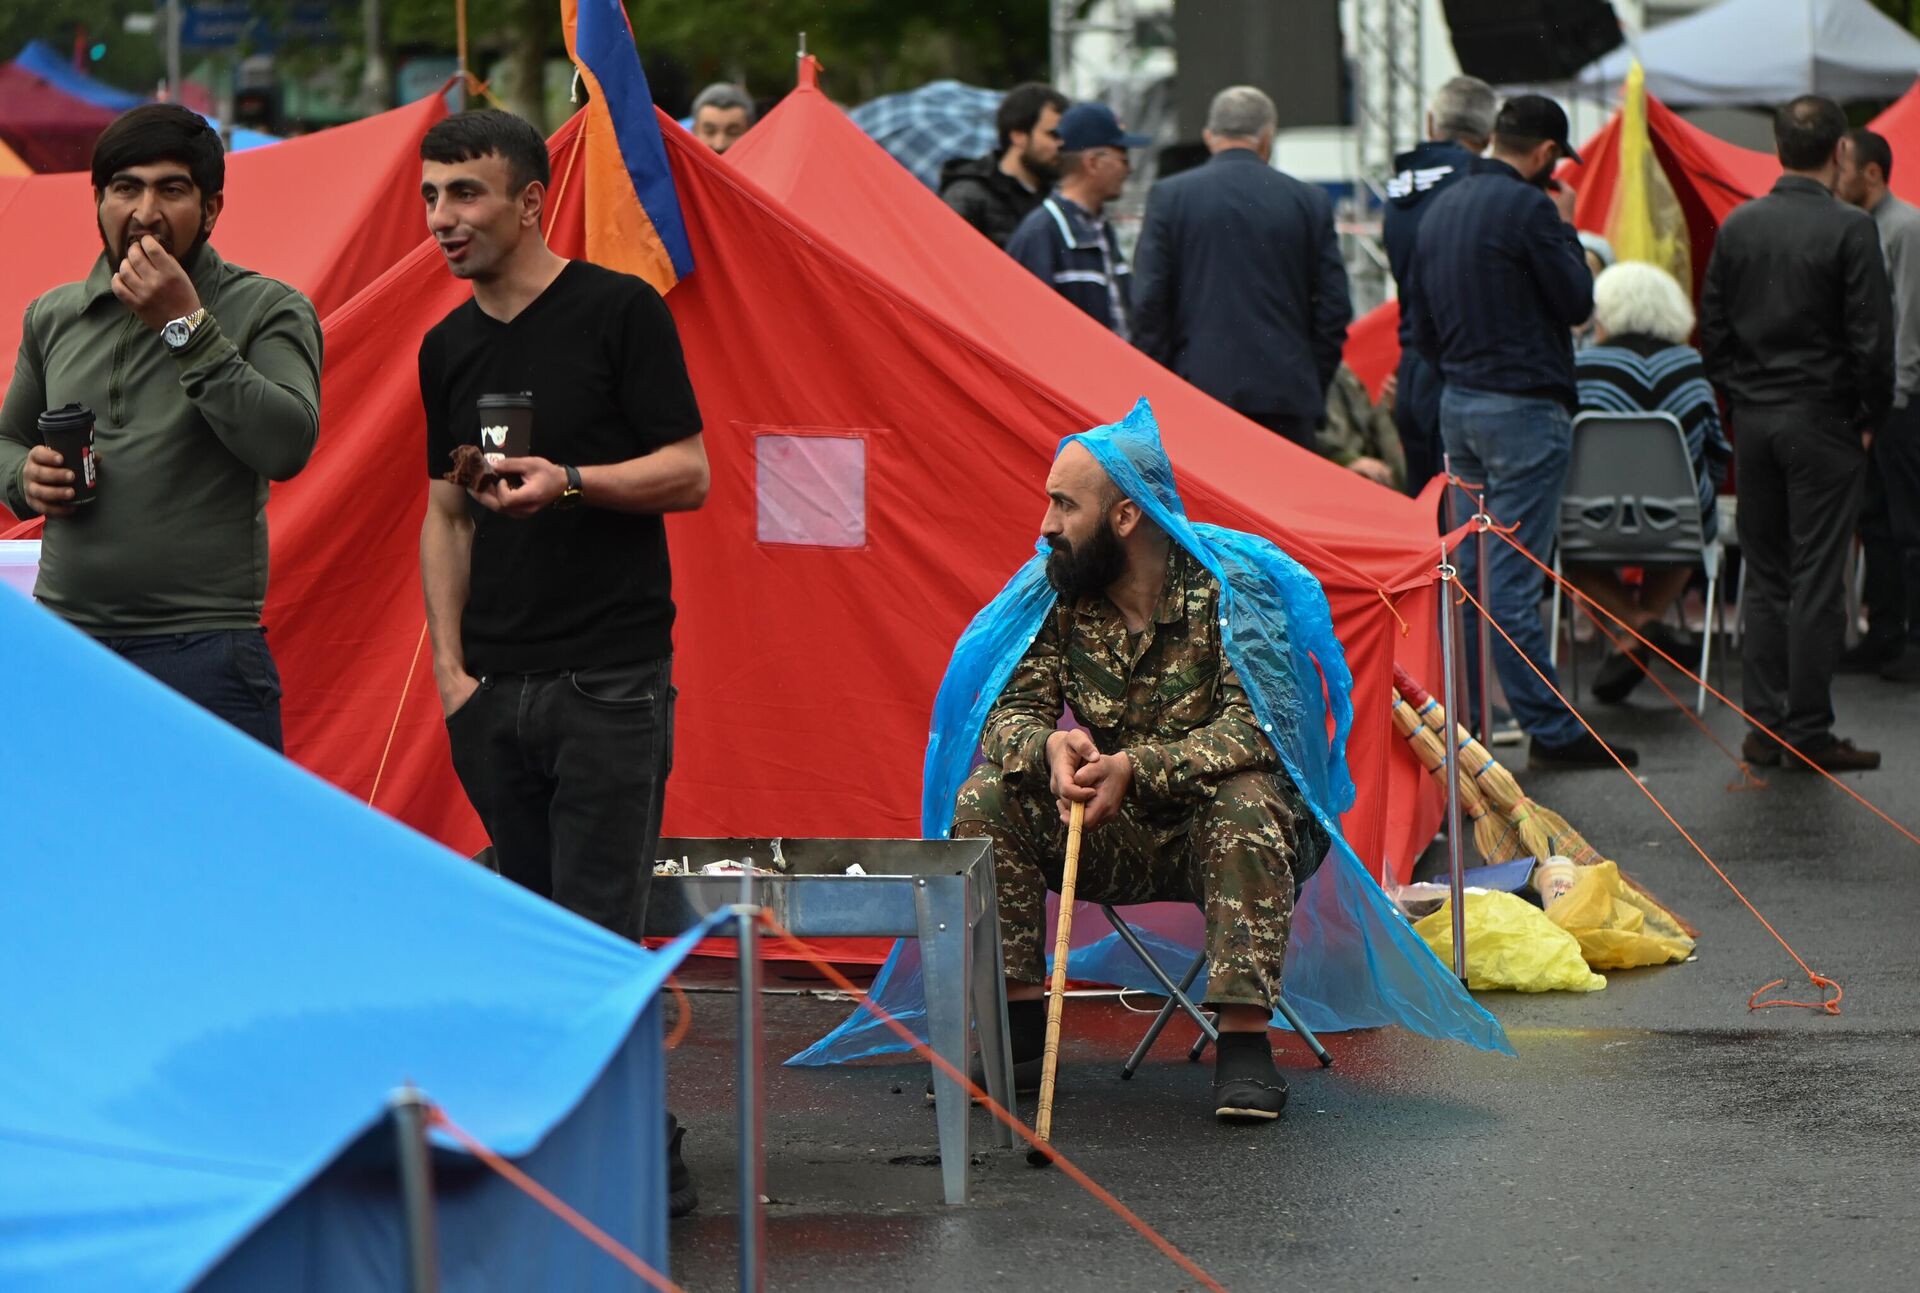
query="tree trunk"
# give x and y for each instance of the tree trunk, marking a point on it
(529, 34)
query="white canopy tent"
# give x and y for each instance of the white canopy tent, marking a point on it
(1766, 52)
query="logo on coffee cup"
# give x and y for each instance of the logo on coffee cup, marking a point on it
(86, 466)
(492, 438)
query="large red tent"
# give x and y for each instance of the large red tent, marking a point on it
(50, 129)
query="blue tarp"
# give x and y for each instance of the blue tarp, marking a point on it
(45, 62)
(218, 967)
(1353, 961)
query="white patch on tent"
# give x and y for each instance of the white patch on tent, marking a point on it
(810, 488)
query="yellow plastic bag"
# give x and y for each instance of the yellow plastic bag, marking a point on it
(1618, 926)
(1511, 944)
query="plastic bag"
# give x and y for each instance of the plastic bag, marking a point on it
(1618, 926)
(1511, 944)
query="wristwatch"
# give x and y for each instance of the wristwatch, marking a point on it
(570, 496)
(180, 331)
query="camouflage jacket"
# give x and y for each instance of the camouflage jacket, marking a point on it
(1168, 697)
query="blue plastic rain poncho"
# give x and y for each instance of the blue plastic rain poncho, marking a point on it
(1352, 960)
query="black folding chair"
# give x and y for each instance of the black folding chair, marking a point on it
(1177, 999)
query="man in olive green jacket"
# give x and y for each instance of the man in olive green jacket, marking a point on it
(204, 383)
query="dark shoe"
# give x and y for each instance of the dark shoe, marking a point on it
(1840, 756)
(1869, 655)
(1506, 730)
(1904, 669)
(1582, 752)
(682, 1196)
(1618, 675)
(1760, 750)
(1249, 1099)
(1026, 1076)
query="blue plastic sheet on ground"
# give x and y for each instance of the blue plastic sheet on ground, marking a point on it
(1352, 961)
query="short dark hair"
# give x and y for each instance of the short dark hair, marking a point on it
(489, 132)
(161, 132)
(1022, 107)
(1807, 130)
(1872, 149)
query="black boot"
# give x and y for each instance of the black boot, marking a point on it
(682, 1196)
(1246, 1085)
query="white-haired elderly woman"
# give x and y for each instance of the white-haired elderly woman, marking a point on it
(1640, 362)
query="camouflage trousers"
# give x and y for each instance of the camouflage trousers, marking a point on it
(1232, 854)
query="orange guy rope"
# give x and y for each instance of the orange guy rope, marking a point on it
(986, 1102)
(1830, 1006)
(552, 1203)
(407, 686)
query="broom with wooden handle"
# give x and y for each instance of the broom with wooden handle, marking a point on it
(1057, 990)
(1493, 835)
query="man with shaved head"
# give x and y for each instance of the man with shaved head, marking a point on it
(1186, 798)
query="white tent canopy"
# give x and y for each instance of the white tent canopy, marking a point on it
(1768, 51)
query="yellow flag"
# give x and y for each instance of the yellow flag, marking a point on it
(1646, 222)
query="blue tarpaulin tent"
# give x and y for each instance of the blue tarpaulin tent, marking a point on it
(218, 968)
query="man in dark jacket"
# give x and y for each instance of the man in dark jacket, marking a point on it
(1238, 285)
(1796, 328)
(994, 193)
(1500, 280)
(1067, 242)
(1458, 122)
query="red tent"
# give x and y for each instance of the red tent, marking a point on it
(1356, 537)
(327, 213)
(50, 129)
(807, 674)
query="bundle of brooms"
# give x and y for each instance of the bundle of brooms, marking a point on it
(1507, 825)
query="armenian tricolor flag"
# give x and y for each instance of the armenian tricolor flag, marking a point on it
(633, 214)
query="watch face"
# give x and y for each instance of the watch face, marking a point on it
(175, 334)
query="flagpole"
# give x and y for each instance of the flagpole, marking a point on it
(460, 45)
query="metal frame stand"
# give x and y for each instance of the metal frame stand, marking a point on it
(409, 1107)
(1177, 999)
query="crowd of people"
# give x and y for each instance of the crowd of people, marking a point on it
(547, 584)
(1512, 324)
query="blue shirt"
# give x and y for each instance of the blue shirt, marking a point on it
(1499, 282)
(1077, 254)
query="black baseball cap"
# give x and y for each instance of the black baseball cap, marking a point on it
(1534, 116)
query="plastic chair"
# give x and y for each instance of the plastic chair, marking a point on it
(1177, 999)
(1632, 500)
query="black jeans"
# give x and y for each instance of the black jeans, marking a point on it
(1890, 531)
(568, 772)
(1800, 474)
(227, 672)
(1416, 416)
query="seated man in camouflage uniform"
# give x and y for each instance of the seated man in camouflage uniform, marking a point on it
(1185, 799)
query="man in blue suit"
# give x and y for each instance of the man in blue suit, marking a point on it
(1238, 285)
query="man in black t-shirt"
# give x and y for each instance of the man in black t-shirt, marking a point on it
(548, 591)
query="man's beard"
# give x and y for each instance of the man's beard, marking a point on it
(185, 259)
(1044, 171)
(1090, 569)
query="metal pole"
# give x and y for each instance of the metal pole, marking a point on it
(173, 51)
(460, 48)
(753, 1219)
(1481, 521)
(409, 1109)
(1456, 868)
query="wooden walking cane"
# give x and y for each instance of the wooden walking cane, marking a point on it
(1057, 991)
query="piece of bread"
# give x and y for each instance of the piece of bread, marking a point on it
(470, 468)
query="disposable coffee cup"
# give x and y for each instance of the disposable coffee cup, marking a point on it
(68, 431)
(506, 426)
(1553, 879)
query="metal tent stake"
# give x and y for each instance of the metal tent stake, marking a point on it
(1481, 523)
(410, 1109)
(1456, 863)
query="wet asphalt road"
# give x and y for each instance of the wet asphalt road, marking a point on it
(1657, 1135)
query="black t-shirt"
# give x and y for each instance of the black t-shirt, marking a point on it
(586, 587)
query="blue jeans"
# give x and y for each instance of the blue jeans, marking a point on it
(1518, 446)
(227, 672)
